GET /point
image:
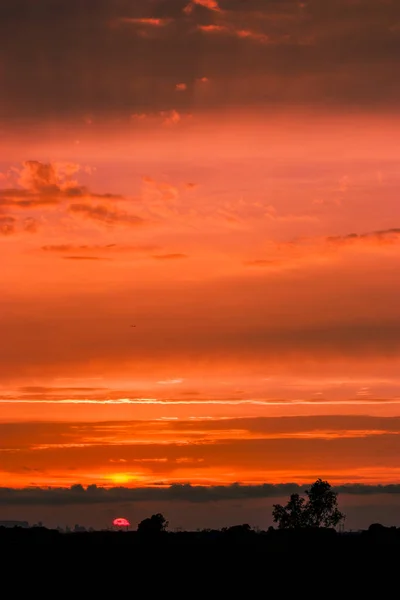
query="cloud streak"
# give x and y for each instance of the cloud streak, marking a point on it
(169, 256)
(84, 258)
(376, 238)
(148, 22)
(302, 253)
(106, 215)
(195, 401)
(241, 34)
(108, 248)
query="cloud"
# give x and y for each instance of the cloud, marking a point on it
(265, 263)
(38, 389)
(181, 87)
(41, 186)
(356, 49)
(7, 225)
(169, 256)
(203, 402)
(210, 4)
(49, 178)
(14, 199)
(244, 34)
(303, 252)
(71, 248)
(84, 258)
(78, 495)
(159, 191)
(107, 215)
(108, 248)
(170, 117)
(213, 28)
(150, 22)
(203, 449)
(30, 225)
(167, 118)
(376, 238)
(272, 214)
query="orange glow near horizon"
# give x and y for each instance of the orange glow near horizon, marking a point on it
(200, 249)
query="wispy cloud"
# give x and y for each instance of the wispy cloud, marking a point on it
(303, 252)
(7, 225)
(107, 215)
(83, 249)
(210, 4)
(213, 28)
(197, 401)
(149, 22)
(376, 238)
(181, 87)
(232, 30)
(95, 258)
(154, 190)
(169, 256)
(245, 34)
(170, 117)
(167, 118)
(264, 263)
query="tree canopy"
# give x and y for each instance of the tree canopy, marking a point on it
(154, 524)
(320, 509)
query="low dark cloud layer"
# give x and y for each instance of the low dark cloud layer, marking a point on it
(129, 55)
(78, 495)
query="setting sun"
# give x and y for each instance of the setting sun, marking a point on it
(122, 478)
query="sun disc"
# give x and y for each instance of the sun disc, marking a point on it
(121, 522)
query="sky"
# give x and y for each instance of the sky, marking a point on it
(200, 244)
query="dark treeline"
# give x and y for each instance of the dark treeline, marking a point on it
(272, 539)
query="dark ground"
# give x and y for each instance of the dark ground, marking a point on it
(235, 562)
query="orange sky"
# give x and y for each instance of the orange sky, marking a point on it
(238, 204)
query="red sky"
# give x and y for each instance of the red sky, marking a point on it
(200, 242)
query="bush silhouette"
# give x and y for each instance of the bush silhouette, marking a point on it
(154, 524)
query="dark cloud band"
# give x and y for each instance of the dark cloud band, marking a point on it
(78, 495)
(347, 52)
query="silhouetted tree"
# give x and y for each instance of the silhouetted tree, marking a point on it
(322, 506)
(319, 510)
(154, 524)
(291, 516)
